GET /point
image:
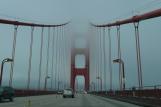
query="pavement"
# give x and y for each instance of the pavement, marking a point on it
(80, 100)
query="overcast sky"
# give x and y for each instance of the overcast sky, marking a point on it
(80, 13)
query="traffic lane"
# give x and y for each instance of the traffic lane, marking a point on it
(106, 102)
(86, 100)
(33, 101)
(81, 100)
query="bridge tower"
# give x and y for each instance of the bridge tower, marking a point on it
(80, 71)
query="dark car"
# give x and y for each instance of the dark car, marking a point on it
(6, 93)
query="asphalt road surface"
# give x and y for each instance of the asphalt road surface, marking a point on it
(80, 100)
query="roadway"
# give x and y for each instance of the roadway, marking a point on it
(81, 100)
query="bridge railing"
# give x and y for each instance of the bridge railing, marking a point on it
(147, 93)
(21, 92)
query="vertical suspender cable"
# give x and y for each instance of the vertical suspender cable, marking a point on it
(93, 66)
(30, 58)
(100, 58)
(98, 68)
(67, 54)
(119, 56)
(98, 64)
(40, 64)
(110, 58)
(47, 63)
(64, 57)
(136, 25)
(96, 58)
(104, 57)
(13, 54)
(56, 57)
(59, 58)
(54, 64)
(61, 55)
(52, 67)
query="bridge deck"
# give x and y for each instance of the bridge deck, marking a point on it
(81, 100)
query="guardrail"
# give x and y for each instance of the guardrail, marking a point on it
(146, 91)
(21, 93)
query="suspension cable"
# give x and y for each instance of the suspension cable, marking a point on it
(97, 59)
(110, 58)
(93, 57)
(119, 55)
(47, 62)
(13, 54)
(58, 59)
(30, 58)
(60, 56)
(40, 63)
(105, 58)
(56, 53)
(64, 56)
(52, 67)
(139, 66)
(100, 59)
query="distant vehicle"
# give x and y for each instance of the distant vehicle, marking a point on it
(60, 92)
(84, 92)
(7, 93)
(68, 93)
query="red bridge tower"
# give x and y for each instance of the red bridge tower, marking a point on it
(80, 71)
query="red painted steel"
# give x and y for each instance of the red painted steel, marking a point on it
(80, 71)
(137, 18)
(11, 22)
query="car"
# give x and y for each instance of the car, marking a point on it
(84, 92)
(59, 92)
(68, 93)
(6, 92)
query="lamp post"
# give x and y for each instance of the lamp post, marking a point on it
(2, 64)
(93, 84)
(100, 81)
(46, 78)
(123, 71)
(59, 82)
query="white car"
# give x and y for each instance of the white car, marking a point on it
(68, 93)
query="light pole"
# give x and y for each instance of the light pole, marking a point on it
(46, 78)
(100, 81)
(93, 84)
(2, 64)
(123, 71)
(59, 82)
